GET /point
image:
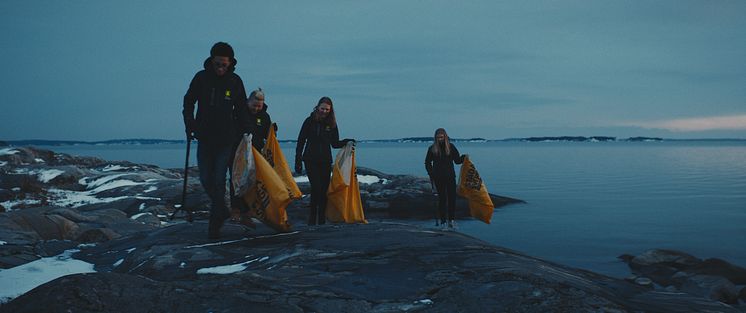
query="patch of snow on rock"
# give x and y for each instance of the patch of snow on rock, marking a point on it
(21, 279)
(48, 175)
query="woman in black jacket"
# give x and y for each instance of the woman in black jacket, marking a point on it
(317, 136)
(439, 165)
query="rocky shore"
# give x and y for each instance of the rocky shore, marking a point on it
(111, 218)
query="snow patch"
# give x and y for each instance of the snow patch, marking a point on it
(38, 160)
(76, 199)
(151, 189)
(115, 184)
(2, 243)
(368, 179)
(110, 168)
(117, 263)
(8, 151)
(98, 182)
(229, 269)
(3, 163)
(8, 205)
(48, 175)
(142, 207)
(21, 279)
(136, 216)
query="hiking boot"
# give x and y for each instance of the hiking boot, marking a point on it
(235, 214)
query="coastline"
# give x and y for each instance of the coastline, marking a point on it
(122, 220)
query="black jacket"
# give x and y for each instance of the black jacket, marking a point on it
(315, 141)
(258, 125)
(221, 110)
(442, 165)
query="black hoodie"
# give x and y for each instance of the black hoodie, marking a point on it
(315, 141)
(221, 110)
(258, 125)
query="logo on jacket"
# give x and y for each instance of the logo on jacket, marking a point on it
(258, 121)
(328, 128)
(227, 95)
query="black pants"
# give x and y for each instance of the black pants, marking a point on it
(319, 175)
(446, 186)
(213, 162)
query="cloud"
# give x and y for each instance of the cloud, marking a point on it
(730, 122)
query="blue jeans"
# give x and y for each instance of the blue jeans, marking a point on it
(213, 163)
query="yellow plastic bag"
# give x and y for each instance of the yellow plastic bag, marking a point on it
(268, 197)
(344, 203)
(243, 170)
(273, 154)
(471, 187)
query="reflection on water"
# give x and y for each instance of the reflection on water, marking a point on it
(587, 202)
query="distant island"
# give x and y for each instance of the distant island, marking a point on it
(42, 142)
(583, 139)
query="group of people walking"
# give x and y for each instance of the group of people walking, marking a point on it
(224, 113)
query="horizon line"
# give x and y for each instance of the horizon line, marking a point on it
(378, 139)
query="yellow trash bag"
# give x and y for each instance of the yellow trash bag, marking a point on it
(344, 204)
(243, 172)
(268, 197)
(471, 187)
(273, 154)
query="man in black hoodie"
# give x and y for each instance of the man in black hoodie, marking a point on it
(221, 116)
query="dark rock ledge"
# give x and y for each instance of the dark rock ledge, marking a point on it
(379, 267)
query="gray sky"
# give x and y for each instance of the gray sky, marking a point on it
(96, 70)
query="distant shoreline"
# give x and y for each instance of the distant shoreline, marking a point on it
(43, 142)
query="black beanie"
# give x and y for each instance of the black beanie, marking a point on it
(221, 49)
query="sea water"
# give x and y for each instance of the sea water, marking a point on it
(587, 202)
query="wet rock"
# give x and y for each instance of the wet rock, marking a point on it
(678, 271)
(95, 235)
(644, 281)
(718, 267)
(148, 219)
(672, 258)
(712, 287)
(660, 265)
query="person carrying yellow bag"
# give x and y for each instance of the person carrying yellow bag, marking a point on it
(344, 204)
(318, 134)
(439, 165)
(273, 154)
(472, 188)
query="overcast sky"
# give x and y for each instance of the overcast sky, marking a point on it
(96, 70)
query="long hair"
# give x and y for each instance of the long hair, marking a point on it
(446, 143)
(330, 119)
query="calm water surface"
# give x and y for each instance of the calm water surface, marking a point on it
(587, 202)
